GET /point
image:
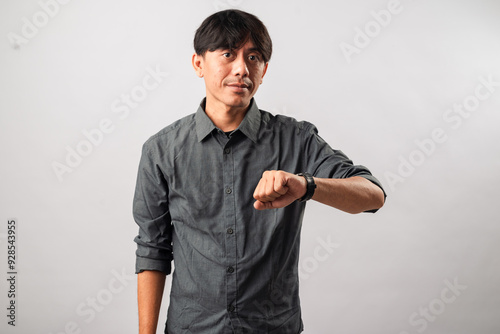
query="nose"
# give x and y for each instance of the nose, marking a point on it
(240, 67)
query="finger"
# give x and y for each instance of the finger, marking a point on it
(261, 189)
(276, 185)
(270, 194)
(280, 184)
(264, 191)
(257, 194)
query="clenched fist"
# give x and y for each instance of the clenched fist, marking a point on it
(277, 189)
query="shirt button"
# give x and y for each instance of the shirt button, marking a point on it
(227, 150)
(230, 231)
(228, 190)
(230, 308)
(230, 270)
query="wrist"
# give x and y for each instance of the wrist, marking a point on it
(310, 187)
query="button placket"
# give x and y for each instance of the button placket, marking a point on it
(229, 223)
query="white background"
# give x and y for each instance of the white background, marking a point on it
(388, 274)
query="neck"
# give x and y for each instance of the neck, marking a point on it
(227, 118)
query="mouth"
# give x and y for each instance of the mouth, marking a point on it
(238, 87)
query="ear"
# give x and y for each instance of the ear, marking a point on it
(198, 65)
(264, 72)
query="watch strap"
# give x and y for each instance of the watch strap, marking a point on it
(310, 188)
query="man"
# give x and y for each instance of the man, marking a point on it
(223, 192)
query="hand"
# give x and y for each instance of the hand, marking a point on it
(277, 189)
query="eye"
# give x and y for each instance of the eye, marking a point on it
(226, 55)
(253, 57)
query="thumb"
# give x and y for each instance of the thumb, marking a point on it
(262, 205)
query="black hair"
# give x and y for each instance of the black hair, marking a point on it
(230, 29)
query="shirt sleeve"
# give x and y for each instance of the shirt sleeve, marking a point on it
(151, 213)
(325, 162)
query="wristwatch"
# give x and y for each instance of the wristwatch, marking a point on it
(311, 187)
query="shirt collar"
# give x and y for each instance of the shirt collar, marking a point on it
(249, 126)
(204, 125)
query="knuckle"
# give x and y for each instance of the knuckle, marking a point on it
(269, 172)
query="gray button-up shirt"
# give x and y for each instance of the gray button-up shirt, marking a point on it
(236, 268)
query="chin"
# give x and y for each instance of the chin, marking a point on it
(239, 102)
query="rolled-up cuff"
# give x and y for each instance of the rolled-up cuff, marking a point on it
(376, 182)
(143, 263)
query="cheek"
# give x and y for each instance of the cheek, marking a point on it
(258, 73)
(257, 78)
(218, 76)
(212, 79)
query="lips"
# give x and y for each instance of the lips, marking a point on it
(238, 85)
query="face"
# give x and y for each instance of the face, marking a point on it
(232, 77)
